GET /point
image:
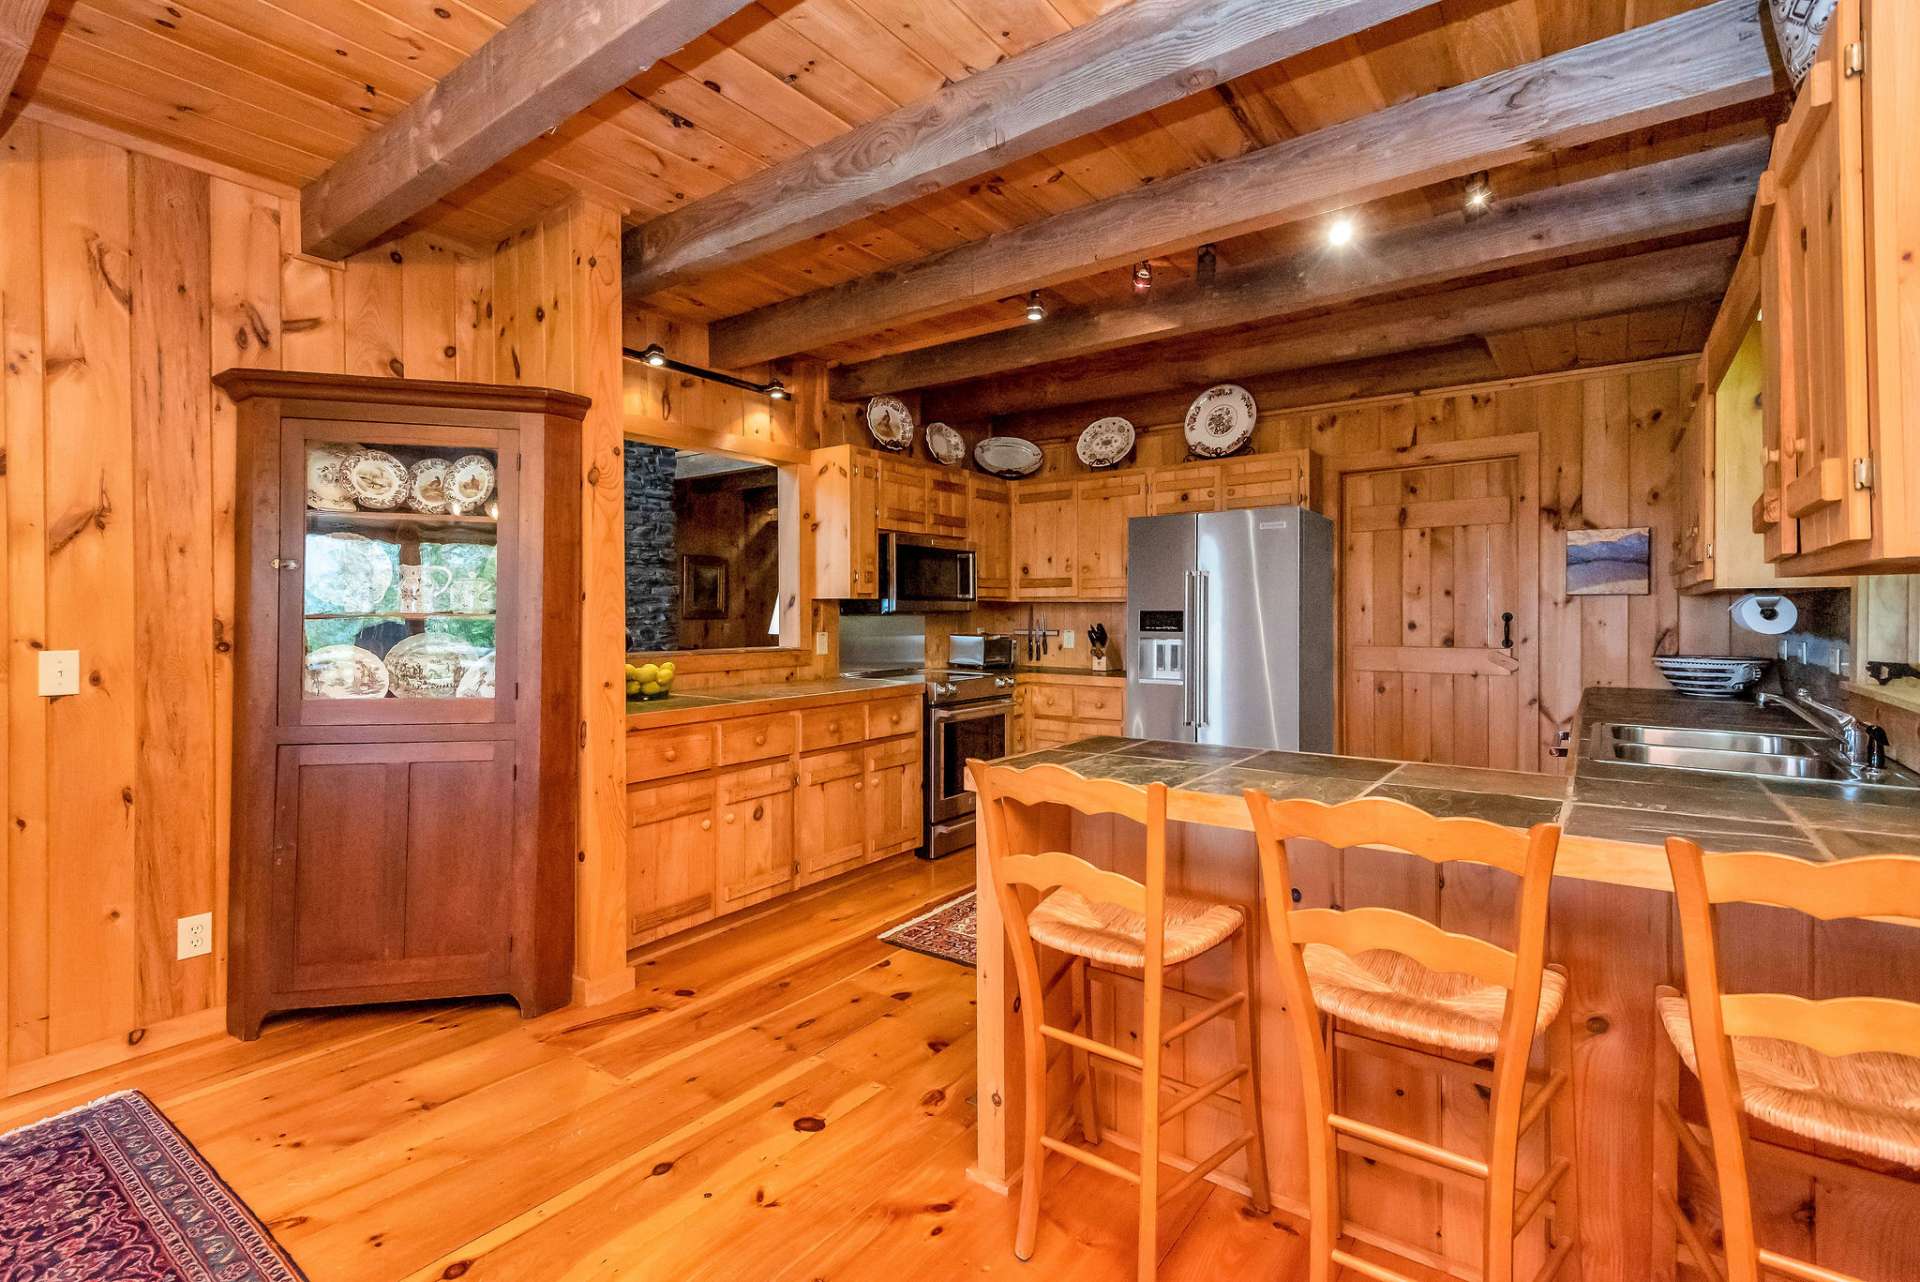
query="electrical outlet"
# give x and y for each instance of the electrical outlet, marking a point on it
(59, 672)
(195, 936)
(820, 643)
(1066, 638)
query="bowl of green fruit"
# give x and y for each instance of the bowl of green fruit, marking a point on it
(649, 680)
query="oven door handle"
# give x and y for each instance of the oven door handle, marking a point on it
(972, 712)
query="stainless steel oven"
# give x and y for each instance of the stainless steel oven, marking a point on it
(980, 729)
(922, 577)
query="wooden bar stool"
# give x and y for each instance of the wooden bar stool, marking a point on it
(1440, 996)
(1059, 900)
(1844, 1072)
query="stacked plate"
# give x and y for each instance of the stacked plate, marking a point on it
(1711, 676)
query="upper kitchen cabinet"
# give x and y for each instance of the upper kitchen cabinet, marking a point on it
(1727, 453)
(1836, 231)
(843, 514)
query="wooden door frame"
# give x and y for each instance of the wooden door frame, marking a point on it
(1523, 448)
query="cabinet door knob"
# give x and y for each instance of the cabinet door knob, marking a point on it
(759, 813)
(858, 785)
(284, 563)
(729, 816)
(706, 825)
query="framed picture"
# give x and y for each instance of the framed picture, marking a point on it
(703, 587)
(1610, 562)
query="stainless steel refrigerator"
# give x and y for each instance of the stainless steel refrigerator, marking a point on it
(1230, 623)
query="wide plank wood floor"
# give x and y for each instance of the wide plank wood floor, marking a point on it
(784, 1099)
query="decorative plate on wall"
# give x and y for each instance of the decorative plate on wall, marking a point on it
(344, 672)
(471, 483)
(945, 444)
(327, 478)
(1008, 456)
(1105, 442)
(376, 479)
(890, 422)
(429, 486)
(1220, 421)
(1800, 24)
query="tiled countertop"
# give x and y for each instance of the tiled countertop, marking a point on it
(1614, 830)
(727, 701)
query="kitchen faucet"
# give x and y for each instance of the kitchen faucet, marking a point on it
(1865, 742)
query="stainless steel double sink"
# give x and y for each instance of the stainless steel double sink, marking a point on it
(1770, 755)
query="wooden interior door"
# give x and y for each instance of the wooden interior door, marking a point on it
(1431, 559)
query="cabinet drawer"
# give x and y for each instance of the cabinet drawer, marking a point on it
(902, 752)
(1050, 701)
(1096, 703)
(657, 754)
(756, 738)
(886, 717)
(832, 727)
(1049, 732)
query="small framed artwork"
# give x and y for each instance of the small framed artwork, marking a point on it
(703, 587)
(1610, 562)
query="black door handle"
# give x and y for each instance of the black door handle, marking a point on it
(1506, 631)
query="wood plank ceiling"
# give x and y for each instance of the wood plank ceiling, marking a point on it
(283, 88)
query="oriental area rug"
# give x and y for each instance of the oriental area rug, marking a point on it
(113, 1191)
(949, 932)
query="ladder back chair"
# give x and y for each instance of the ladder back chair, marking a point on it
(1059, 900)
(1844, 1071)
(1378, 980)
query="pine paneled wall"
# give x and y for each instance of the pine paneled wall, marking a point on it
(127, 280)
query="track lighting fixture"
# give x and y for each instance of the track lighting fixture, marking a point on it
(1142, 277)
(1036, 310)
(1479, 195)
(1340, 232)
(656, 356)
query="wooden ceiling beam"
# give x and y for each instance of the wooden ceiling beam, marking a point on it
(1711, 57)
(19, 24)
(1605, 288)
(1692, 193)
(1129, 60)
(547, 65)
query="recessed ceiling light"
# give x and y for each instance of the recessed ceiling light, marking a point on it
(1036, 310)
(1340, 232)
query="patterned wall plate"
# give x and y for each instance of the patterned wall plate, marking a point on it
(471, 483)
(1220, 421)
(946, 445)
(345, 672)
(891, 422)
(1008, 456)
(346, 573)
(429, 665)
(376, 479)
(1105, 442)
(429, 486)
(327, 478)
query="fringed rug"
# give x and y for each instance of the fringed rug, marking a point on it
(949, 932)
(112, 1192)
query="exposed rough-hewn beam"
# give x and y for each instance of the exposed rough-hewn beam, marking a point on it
(1676, 275)
(1674, 197)
(1716, 56)
(1129, 60)
(19, 22)
(545, 66)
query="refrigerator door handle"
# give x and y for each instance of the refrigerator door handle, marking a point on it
(1197, 681)
(1186, 676)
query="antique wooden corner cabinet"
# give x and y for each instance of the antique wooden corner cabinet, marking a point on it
(406, 702)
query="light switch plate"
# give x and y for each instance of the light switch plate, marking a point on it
(59, 672)
(819, 643)
(195, 936)
(1067, 638)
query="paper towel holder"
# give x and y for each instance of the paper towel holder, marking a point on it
(1768, 613)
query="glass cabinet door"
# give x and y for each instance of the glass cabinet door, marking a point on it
(397, 605)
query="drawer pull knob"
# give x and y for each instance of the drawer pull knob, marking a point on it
(760, 740)
(672, 754)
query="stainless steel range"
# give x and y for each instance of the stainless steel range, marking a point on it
(969, 716)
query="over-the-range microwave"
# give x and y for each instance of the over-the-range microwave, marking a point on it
(918, 576)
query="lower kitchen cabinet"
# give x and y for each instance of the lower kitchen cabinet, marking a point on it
(755, 858)
(671, 857)
(831, 812)
(895, 797)
(1058, 709)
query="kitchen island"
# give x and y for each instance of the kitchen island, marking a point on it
(1612, 928)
